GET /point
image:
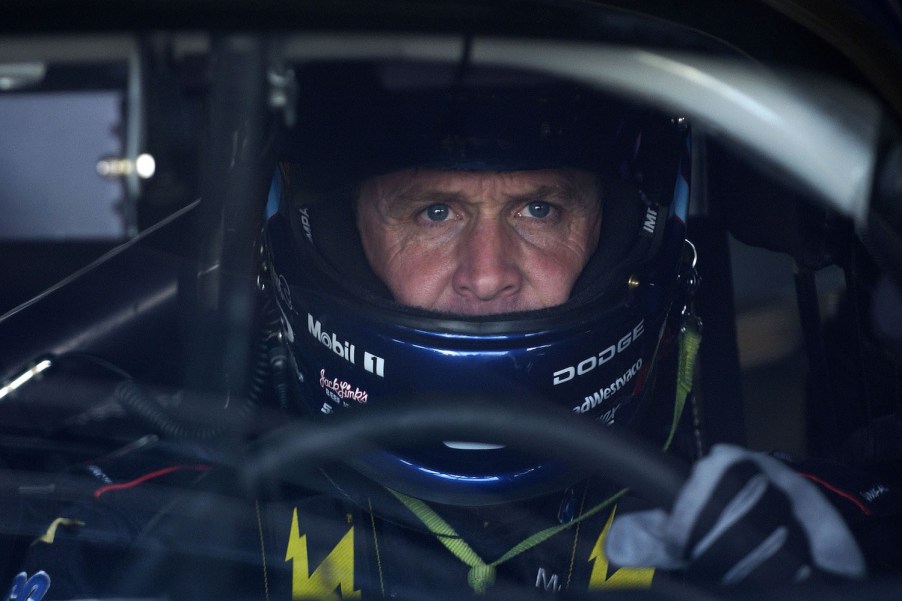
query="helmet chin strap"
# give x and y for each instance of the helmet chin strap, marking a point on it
(690, 338)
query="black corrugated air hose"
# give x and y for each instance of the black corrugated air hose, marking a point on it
(139, 404)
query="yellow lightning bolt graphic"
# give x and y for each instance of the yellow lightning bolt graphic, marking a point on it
(622, 578)
(333, 579)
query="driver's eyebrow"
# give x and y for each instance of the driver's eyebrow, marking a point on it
(400, 204)
(563, 193)
(566, 193)
(418, 196)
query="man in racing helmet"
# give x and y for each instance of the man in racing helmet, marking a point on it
(527, 228)
(479, 236)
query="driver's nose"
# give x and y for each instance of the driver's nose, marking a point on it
(487, 268)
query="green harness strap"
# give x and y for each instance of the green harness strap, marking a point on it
(690, 340)
(482, 574)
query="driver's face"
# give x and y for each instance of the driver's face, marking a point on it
(477, 243)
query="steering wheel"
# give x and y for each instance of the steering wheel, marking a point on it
(588, 446)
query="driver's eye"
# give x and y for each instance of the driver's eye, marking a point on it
(437, 212)
(537, 209)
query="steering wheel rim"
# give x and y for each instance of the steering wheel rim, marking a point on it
(590, 447)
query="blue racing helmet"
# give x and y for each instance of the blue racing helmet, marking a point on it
(352, 347)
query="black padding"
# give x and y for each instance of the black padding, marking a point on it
(761, 210)
(333, 223)
(621, 221)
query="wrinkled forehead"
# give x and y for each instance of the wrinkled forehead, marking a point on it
(409, 186)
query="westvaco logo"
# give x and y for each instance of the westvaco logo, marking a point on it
(344, 348)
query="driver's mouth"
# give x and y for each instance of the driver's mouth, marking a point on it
(471, 446)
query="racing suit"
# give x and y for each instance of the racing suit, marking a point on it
(339, 536)
(157, 527)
